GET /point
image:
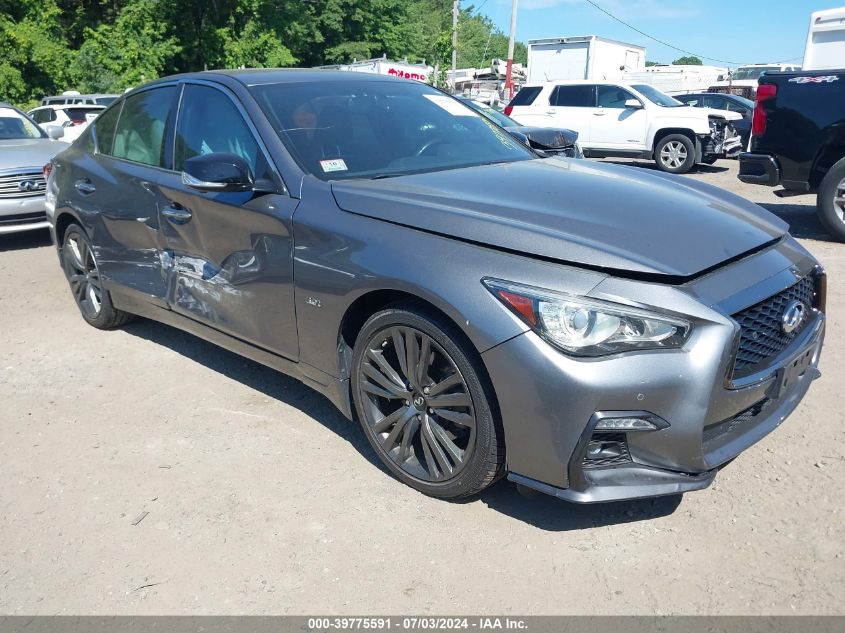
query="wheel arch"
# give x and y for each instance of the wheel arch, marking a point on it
(827, 156)
(666, 131)
(63, 220)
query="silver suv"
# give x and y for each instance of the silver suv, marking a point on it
(24, 150)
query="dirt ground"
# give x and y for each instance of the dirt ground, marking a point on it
(255, 496)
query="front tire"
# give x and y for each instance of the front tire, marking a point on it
(83, 275)
(830, 202)
(675, 154)
(424, 404)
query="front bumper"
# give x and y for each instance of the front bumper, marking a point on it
(759, 169)
(23, 214)
(550, 420)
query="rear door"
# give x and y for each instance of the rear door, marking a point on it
(571, 106)
(112, 183)
(230, 255)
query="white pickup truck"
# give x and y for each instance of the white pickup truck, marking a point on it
(633, 121)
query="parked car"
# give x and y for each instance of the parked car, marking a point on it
(552, 141)
(73, 97)
(797, 140)
(595, 331)
(733, 103)
(614, 119)
(73, 119)
(24, 150)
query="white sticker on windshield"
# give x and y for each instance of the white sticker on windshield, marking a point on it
(451, 106)
(335, 164)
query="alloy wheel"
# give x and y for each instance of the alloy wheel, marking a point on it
(673, 154)
(839, 201)
(83, 275)
(416, 404)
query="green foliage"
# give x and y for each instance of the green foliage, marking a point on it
(688, 60)
(649, 64)
(47, 46)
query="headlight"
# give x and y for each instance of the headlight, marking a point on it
(589, 327)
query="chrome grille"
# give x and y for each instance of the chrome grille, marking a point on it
(761, 335)
(22, 185)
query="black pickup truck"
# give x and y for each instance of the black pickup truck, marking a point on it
(798, 140)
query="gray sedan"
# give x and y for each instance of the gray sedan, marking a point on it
(24, 151)
(592, 331)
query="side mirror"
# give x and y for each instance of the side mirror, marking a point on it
(55, 132)
(218, 171)
(633, 103)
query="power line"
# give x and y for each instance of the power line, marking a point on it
(659, 41)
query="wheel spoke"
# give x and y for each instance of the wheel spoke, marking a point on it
(443, 463)
(390, 441)
(431, 465)
(76, 256)
(388, 371)
(464, 419)
(446, 442)
(399, 348)
(407, 439)
(423, 361)
(446, 383)
(373, 373)
(411, 358)
(450, 400)
(377, 391)
(385, 423)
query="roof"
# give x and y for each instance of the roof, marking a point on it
(259, 76)
(574, 39)
(64, 106)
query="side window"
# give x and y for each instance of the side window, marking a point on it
(612, 97)
(139, 136)
(579, 96)
(209, 122)
(104, 129)
(737, 107)
(525, 96)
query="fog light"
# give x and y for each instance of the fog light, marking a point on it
(626, 424)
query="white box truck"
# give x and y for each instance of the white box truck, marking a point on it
(582, 57)
(825, 40)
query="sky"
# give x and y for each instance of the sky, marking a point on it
(737, 31)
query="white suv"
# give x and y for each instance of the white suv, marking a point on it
(634, 121)
(73, 118)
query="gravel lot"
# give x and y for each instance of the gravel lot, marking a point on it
(260, 498)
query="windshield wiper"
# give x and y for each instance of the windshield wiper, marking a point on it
(383, 176)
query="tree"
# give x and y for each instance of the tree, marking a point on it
(688, 60)
(650, 64)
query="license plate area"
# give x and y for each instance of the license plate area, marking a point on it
(791, 373)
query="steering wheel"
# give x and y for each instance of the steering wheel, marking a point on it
(428, 145)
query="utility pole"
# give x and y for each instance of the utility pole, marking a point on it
(509, 72)
(456, 7)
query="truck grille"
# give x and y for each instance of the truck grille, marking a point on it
(761, 334)
(22, 185)
(21, 219)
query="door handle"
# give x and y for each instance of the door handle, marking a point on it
(598, 113)
(177, 214)
(84, 186)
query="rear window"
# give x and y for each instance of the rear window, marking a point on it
(77, 115)
(525, 96)
(580, 96)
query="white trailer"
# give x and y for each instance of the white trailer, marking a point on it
(582, 57)
(677, 79)
(825, 40)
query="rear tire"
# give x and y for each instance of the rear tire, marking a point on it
(83, 275)
(424, 403)
(674, 154)
(830, 202)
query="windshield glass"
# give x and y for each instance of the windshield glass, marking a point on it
(752, 73)
(14, 125)
(655, 96)
(368, 129)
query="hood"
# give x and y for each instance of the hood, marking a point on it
(725, 114)
(620, 219)
(28, 152)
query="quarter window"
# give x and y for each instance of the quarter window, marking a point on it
(578, 96)
(104, 129)
(140, 131)
(208, 123)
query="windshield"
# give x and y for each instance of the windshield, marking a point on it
(377, 129)
(493, 114)
(753, 73)
(14, 125)
(655, 96)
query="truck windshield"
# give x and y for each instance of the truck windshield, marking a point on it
(753, 72)
(14, 125)
(378, 129)
(655, 96)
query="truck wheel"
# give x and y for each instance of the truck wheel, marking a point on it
(674, 153)
(831, 200)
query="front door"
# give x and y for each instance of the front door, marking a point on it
(230, 254)
(615, 126)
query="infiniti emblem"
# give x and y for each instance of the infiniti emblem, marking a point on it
(419, 402)
(26, 185)
(793, 316)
